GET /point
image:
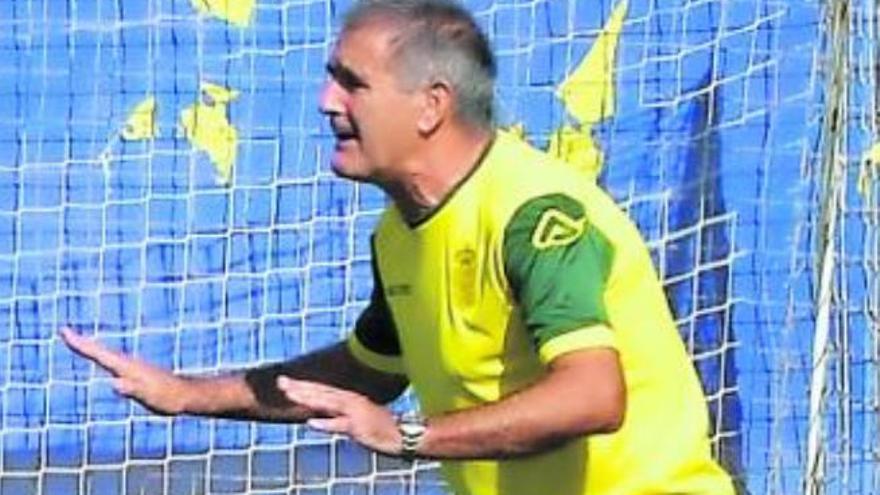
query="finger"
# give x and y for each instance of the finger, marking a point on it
(315, 398)
(339, 424)
(305, 386)
(123, 386)
(311, 389)
(91, 349)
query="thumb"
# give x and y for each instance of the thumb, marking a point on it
(339, 424)
(123, 386)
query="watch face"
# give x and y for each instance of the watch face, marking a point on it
(412, 428)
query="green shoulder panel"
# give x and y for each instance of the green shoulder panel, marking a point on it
(557, 266)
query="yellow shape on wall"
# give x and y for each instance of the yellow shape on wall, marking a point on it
(588, 94)
(870, 170)
(207, 127)
(238, 12)
(517, 130)
(141, 123)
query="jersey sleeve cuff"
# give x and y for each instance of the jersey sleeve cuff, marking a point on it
(381, 362)
(583, 338)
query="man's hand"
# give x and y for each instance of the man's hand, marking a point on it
(253, 395)
(157, 389)
(345, 412)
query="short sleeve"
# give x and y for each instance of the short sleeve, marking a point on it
(558, 267)
(374, 340)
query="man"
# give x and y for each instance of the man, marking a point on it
(510, 292)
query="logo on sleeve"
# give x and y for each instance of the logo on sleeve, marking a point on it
(555, 228)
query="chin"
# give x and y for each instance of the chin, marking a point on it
(348, 172)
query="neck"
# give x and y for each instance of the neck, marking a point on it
(437, 170)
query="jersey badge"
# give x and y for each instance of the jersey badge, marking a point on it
(465, 276)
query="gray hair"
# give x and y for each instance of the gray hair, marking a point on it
(437, 40)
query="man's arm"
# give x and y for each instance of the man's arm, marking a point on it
(582, 393)
(560, 287)
(251, 395)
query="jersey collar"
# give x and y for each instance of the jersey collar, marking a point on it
(464, 180)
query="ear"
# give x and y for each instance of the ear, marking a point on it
(437, 106)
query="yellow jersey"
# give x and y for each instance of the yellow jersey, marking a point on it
(526, 260)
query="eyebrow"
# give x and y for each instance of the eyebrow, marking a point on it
(345, 76)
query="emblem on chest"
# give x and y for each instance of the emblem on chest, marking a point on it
(464, 276)
(397, 290)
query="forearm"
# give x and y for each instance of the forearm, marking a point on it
(231, 396)
(250, 395)
(564, 405)
(255, 394)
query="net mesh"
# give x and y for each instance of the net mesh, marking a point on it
(163, 186)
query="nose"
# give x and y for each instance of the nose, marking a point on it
(330, 102)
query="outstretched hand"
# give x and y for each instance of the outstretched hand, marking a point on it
(157, 389)
(345, 412)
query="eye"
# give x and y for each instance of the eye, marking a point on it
(350, 82)
(345, 77)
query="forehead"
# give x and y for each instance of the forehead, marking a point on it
(364, 48)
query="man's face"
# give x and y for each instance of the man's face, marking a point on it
(372, 116)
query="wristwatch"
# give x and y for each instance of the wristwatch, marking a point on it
(412, 428)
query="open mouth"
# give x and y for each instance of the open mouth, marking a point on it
(344, 134)
(344, 137)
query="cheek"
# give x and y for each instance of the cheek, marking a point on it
(358, 113)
